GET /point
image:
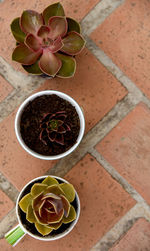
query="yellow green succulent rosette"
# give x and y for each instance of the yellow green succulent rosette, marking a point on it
(48, 205)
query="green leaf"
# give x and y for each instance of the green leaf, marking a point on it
(55, 9)
(69, 191)
(55, 189)
(50, 181)
(37, 188)
(25, 202)
(49, 63)
(31, 21)
(73, 25)
(73, 43)
(33, 68)
(55, 225)
(22, 54)
(66, 205)
(30, 215)
(18, 34)
(72, 216)
(44, 230)
(68, 66)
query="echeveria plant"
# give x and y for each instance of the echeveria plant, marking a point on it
(48, 205)
(53, 127)
(47, 42)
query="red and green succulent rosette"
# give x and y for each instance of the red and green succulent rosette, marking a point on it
(47, 42)
(48, 205)
(53, 128)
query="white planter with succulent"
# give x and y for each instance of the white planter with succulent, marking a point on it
(47, 208)
(55, 128)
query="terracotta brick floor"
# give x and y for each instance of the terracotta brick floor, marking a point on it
(111, 168)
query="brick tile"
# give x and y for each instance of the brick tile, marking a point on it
(17, 165)
(124, 36)
(11, 9)
(103, 203)
(5, 204)
(93, 87)
(127, 146)
(136, 239)
(5, 88)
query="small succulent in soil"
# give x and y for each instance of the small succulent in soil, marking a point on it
(53, 127)
(47, 42)
(48, 205)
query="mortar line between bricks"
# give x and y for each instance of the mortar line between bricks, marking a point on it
(116, 175)
(8, 188)
(8, 222)
(93, 19)
(140, 210)
(114, 69)
(98, 14)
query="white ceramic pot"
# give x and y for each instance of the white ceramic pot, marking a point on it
(17, 233)
(63, 96)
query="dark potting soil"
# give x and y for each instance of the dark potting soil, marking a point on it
(31, 119)
(31, 227)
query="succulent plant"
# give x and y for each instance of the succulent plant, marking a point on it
(47, 42)
(53, 127)
(48, 205)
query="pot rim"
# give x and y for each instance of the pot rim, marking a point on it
(60, 235)
(63, 96)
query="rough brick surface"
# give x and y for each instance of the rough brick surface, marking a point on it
(136, 239)
(93, 87)
(127, 146)
(5, 89)
(17, 165)
(124, 36)
(5, 204)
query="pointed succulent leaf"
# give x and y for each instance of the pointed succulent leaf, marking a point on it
(68, 190)
(51, 195)
(55, 9)
(55, 226)
(61, 129)
(72, 216)
(33, 68)
(50, 181)
(73, 43)
(58, 27)
(55, 189)
(24, 55)
(68, 67)
(44, 230)
(43, 31)
(60, 139)
(49, 63)
(30, 215)
(33, 42)
(73, 25)
(37, 188)
(31, 21)
(25, 202)
(66, 205)
(41, 208)
(52, 136)
(53, 217)
(36, 204)
(56, 46)
(57, 205)
(18, 34)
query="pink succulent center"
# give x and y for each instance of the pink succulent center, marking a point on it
(46, 42)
